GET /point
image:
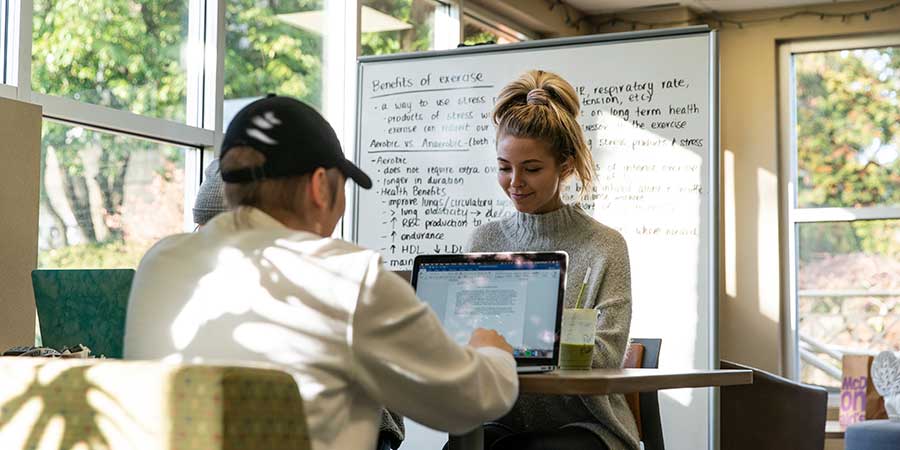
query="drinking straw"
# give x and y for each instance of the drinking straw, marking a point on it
(583, 284)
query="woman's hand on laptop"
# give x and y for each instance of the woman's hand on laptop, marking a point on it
(482, 337)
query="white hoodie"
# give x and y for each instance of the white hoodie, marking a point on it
(354, 335)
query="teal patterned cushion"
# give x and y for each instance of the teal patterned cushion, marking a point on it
(83, 306)
(70, 404)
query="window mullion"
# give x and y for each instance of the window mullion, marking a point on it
(4, 27)
(21, 13)
(123, 122)
(342, 46)
(7, 91)
(214, 68)
(790, 357)
(448, 26)
(808, 215)
(194, 51)
(859, 42)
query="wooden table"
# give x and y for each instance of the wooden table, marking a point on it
(610, 381)
(620, 381)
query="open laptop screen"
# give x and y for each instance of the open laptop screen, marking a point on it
(520, 298)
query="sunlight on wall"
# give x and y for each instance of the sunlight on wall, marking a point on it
(730, 232)
(767, 248)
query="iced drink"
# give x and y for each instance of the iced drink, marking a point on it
(576, 347)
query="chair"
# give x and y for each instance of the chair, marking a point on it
(772, 413)
(144, 405)
(873, 435)
(83, 306)
(644, 354)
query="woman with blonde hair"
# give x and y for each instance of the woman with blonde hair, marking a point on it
(540, 146)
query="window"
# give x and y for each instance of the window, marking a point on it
(106, 198)
(843, 200)
(126, 89)
(273, 47)
(126, 55)
(480, 31)
(399, 26)
(136, 93)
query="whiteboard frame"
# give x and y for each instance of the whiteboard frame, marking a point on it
(713, 157)
(714, 221)
(612, 38)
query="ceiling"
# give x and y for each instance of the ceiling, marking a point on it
(592, 7)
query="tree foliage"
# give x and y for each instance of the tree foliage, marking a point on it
(417, 13)
(474, 35)
(266, 54)
(130, 55)
(124, 54)
(120, 54)
(848, 140)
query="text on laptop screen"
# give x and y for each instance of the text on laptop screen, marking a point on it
(518, 300)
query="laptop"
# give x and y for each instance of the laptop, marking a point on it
(83, 306)
(518, 294)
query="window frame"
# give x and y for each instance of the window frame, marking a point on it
(448, 27)
(4, 27)
(202, 129)
(792, 216)
(17, 24)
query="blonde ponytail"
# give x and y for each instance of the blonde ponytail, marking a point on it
(541, 105)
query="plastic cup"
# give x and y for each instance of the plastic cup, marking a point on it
(576, 347)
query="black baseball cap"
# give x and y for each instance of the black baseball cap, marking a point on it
(294, 138)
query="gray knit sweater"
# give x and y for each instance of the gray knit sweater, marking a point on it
(589, 244)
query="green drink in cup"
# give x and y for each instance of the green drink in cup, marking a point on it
(579, 325)
(576, 347)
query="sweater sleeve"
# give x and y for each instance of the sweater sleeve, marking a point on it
(613, 301)
(405, 360)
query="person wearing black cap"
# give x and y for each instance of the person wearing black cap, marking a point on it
(210, 202)
(265, 282)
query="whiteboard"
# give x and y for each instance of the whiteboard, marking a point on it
(649, 114)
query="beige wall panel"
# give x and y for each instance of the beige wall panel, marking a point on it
(20, 151)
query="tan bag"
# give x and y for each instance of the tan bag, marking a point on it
(859, 399)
